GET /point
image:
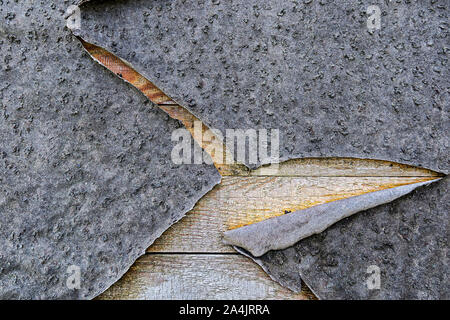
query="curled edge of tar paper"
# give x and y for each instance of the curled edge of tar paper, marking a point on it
(284, 231)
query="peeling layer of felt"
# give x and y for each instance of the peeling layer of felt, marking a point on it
(285, 231)
(311, 69)
(86, 177)
(407, 240)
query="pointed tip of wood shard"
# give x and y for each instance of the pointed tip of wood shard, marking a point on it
(286, 230)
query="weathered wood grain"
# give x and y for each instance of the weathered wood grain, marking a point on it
(198, 277)
(243, 197)
(126, 72)
(343, 167)
(239, 201)
(299, 167)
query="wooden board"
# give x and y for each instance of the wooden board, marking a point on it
(197, 276)
(190, 262)
(239, 201)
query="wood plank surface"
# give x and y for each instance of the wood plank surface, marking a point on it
(198, 277)
(240, 201)
(189, 260)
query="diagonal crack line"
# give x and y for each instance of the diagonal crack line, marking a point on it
(126, 72)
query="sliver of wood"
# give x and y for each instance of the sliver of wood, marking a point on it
(190, 262)
(239, 201)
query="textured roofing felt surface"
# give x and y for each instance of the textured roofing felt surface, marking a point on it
(406, 239)
(86, 177)
(313, 70)
(309, 68)
(85, 170)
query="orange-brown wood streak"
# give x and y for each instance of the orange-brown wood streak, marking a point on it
(228, 206)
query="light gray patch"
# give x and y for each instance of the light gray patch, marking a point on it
(314, 70)
(284, 231)
(407, 240)
(86, 178)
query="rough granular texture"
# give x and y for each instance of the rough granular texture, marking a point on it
(406, 239)
(86, 177)
(312, 69)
